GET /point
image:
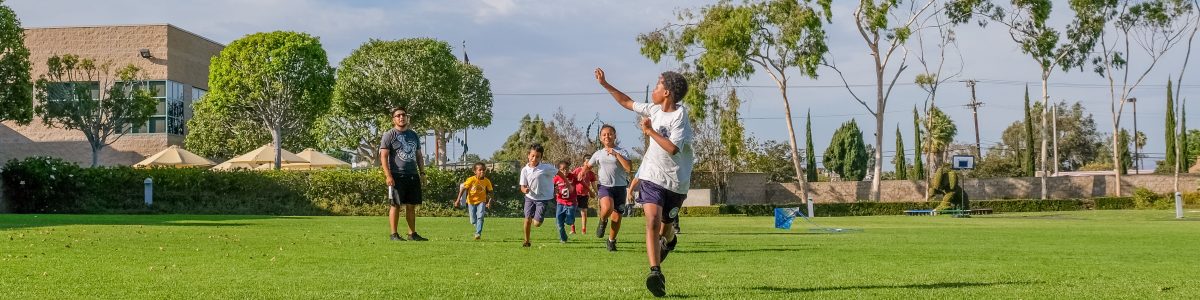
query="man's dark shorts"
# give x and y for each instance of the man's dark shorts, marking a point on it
(407, 189)
(616, 193)
(668, 201)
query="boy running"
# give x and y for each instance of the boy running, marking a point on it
(537, 183)
(614, 167)
(564, 194)
(585, 185)
(666, 168)
(479, 194)
(403, 166)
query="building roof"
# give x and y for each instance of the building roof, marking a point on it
(128, 25)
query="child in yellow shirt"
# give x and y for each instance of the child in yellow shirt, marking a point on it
(479, 195)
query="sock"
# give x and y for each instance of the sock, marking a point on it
(655, 269)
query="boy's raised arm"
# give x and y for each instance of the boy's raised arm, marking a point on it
(621, 97)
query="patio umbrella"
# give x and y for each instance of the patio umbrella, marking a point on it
(174, 156)
(229, 166)
(316, 160)
(266, 155)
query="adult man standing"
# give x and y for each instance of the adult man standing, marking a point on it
(403, 165)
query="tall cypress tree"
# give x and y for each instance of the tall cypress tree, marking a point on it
(901, 161)
(918, 171)
(1186, 157)
(810, 159)
(1027, 158)
(1168, 164)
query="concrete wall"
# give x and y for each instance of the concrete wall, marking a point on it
(752, 188)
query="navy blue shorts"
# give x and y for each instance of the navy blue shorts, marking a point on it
(616, 193)
(668, 201)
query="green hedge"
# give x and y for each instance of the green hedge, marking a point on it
(47, 185)
(898, 208)
(1114, 203)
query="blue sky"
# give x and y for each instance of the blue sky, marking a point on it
(550, 47)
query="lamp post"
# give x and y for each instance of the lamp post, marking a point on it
(1137, 158)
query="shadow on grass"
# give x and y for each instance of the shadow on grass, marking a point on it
(748, 250)
(940, 285)
(18, 221)
(755, 233)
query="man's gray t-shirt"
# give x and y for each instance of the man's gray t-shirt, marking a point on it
(403, 147)
(611, 172)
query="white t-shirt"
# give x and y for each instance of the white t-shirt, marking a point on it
(611, 172)
(672, 172)
(539, 180)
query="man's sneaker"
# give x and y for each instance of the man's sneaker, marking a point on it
(396, 237)
(612, 245)
(476, 237)
(600, 231)
(416, 237)
(526, 244)
(656, 283)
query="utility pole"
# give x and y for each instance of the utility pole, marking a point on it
(1054, 114)
(974, 106)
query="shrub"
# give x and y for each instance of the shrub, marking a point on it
(1114, 203)
(1146, 199)
(56, 186)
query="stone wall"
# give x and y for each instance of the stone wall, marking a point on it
(752, 188)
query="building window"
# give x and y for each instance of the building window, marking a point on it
(198, 94)
(168, 115)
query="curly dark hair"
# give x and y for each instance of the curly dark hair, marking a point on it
(675, 84)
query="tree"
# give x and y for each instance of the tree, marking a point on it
(1126, 159)
(1079, 142)
(810, 159)
(1028, 26)
(770, 157)
(280, 80)
(941, 134)
(884, 31)
(732, 40)
(217, 134)
(1155, 26)
(918, 172)
(732, 131)
(1187, 157)
(515, 148)
(472, 109)
(16, 89)
(1028, 161)
(354, 135)
(847, 154)
(96, 99)
(899, 159)
(1192, 147)
(1168, 164)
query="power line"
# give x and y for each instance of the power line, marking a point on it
(823, 86)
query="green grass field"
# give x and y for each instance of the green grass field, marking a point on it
(1072, 255)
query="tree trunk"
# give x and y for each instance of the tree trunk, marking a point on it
(1116, 156)
(276, 140)
(787, 109)
(1045, 117)
(877, 179)
(95, 154)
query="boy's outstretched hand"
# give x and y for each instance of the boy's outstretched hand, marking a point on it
(600, 76)
(456, 203)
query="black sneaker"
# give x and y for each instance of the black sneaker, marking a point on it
(656, 283)
(612, 245)
(526, 245)
(600, 230)
(416, 237)
(396, 237)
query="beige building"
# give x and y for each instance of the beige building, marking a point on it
(174, 60)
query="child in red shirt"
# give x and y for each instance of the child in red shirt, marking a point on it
(564, 194)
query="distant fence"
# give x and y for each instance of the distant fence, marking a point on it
(753, 188)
